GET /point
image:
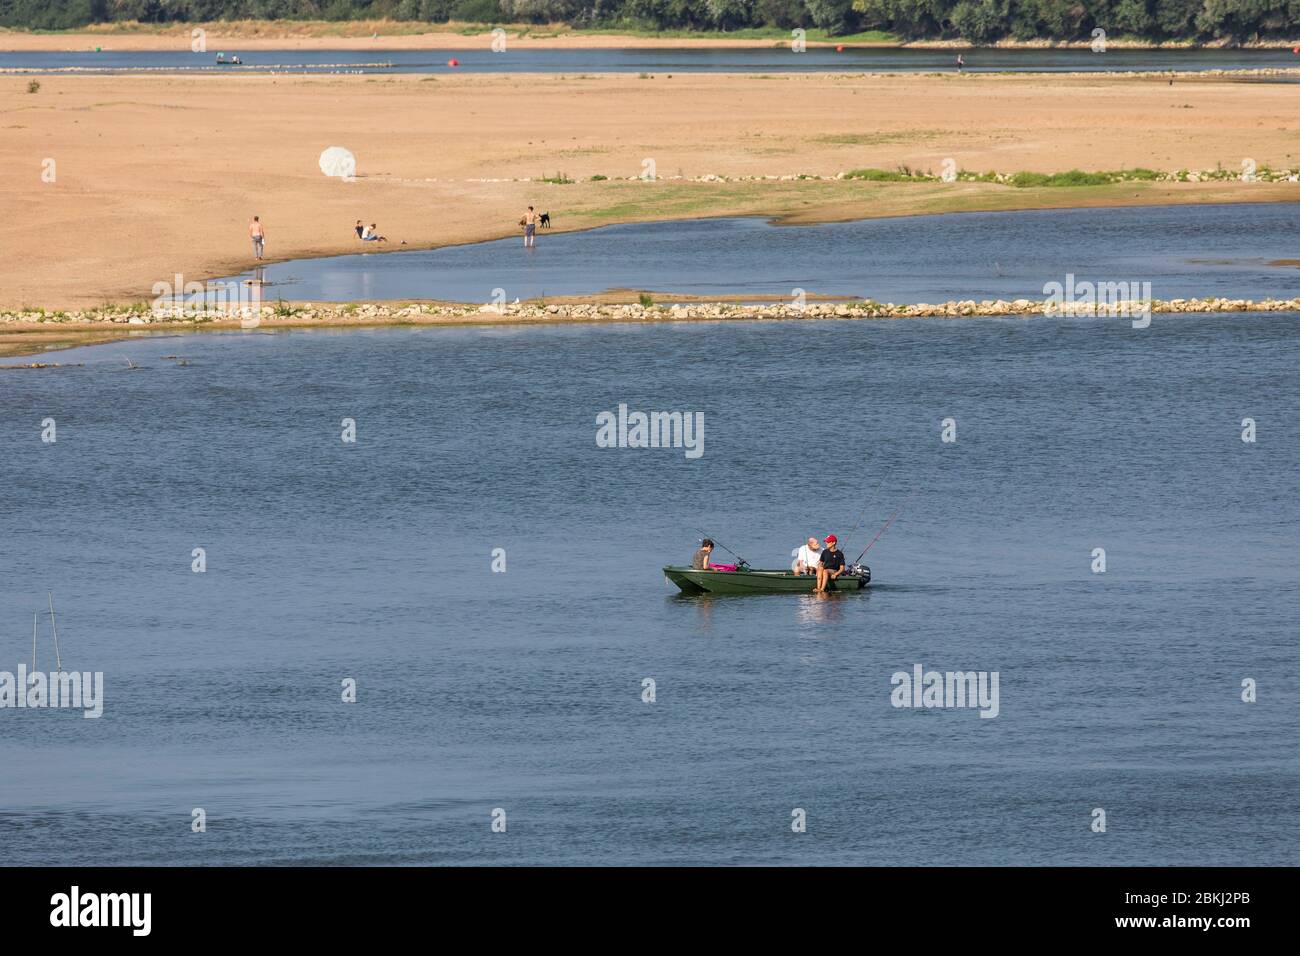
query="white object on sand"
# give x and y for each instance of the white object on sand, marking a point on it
(337, 161)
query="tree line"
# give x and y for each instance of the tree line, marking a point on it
(979, 21)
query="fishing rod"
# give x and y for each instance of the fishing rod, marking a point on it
(58, 659)
(879, 533)
(874, 495)
(725, 548)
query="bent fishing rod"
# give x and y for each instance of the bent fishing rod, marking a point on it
(874, 495)
(725, 548)
(897, 512)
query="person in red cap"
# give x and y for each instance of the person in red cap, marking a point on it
(832, 563)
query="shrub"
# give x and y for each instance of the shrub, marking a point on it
(880, 175)
(1074, 177)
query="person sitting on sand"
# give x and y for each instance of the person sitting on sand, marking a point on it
(370, 235)
(832, 563)
(808, 557)
(701, 560)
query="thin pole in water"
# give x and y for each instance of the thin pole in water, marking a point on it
(58, 660)
(34, 614)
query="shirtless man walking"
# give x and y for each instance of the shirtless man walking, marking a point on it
(529, 222)
(257, 232)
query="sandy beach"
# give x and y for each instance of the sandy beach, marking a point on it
(154, 176)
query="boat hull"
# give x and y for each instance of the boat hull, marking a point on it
(756, 582)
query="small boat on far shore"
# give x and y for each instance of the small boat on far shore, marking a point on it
(746, 580)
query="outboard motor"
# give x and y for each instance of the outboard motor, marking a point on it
(861, 571)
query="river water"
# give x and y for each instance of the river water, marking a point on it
(775, 59)
(521, 690)
(1183, 251)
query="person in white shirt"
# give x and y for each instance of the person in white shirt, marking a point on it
(808, 557)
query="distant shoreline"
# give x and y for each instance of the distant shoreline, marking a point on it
(393, 35)
(823, 148)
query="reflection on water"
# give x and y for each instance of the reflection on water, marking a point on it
(818, 609)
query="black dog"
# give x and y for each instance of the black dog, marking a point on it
(546, 220)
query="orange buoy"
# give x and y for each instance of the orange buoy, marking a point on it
(840, 48)
(1296, 50)
(453, 62)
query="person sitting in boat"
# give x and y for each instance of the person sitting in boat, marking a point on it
(808, 557)
(832, 563)
(701, 560)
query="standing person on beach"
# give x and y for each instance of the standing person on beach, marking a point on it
(257, 232)
(529, 222)
(960, 63)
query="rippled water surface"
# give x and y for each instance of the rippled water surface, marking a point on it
(1182, 251)
(523, 690)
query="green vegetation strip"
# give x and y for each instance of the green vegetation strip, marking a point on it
(1075, 177)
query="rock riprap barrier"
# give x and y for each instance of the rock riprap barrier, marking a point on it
(427, 312)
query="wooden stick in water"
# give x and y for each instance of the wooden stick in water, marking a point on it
(58, 660)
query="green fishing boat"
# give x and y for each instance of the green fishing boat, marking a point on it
(746, 580)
